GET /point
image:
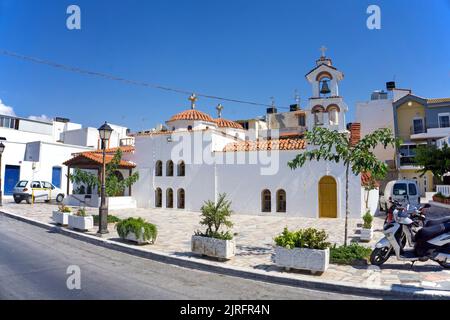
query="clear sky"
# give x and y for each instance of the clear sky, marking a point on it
(242, 49)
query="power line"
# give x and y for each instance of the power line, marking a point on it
(120, 79)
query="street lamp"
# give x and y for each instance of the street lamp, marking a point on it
(2, 148)
(105, 133)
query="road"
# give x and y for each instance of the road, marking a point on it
(436, 212)
(34, 262)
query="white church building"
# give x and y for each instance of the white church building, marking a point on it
(199, 157)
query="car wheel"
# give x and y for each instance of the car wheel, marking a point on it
(17, 200)
(59, 198)
(28, 199)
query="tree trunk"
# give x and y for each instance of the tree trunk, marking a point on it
(346, 203)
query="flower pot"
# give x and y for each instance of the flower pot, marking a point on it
(366, 234)
(131, 236)
(81, 223)
(212, 247)
(313, 260)
(61, 218)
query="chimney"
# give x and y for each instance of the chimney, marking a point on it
(355, 132)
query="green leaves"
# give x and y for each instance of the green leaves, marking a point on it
(304, 238)
(216, 215)
(430, 158)
(139, 227)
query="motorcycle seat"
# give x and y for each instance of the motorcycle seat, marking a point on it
(427, 233)
(434, 222)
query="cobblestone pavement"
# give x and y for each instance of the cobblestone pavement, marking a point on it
(254, 241)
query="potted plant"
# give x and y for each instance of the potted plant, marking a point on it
(81, 220)
(137, 230)
(366, 230)
(305, 249)
(61, 216)
(215, 242)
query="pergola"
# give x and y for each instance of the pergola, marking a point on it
(93, 160)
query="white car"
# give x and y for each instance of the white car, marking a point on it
(404, 191)
(40, 190)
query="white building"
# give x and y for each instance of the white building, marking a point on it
(200, 157)
(36, 150)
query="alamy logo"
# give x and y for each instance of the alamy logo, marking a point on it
(74, 280)
(374, 20)
(73, 22)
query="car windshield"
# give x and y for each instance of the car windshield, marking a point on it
(22, 184)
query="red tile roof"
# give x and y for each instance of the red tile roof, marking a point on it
(224, 123)
(125, 149)
(191, 114)
(274, 144)
(96, 158)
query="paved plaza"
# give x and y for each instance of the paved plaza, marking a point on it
(254, 240)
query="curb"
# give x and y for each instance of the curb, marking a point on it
(395, 292)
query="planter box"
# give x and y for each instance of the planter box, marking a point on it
(81, 223)
(366, 234)
(61, 218)
(303, 259)
(222, 249)
(131, 236)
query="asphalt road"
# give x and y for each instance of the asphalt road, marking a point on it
(437, 212)
(34, 262)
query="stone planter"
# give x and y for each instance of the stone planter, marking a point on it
(81, 223)
(302, 258)
(211, 247)
(131, 236)
(61, 218)
(366, 234)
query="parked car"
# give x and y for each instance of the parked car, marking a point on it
(403, 191)
(41, 190)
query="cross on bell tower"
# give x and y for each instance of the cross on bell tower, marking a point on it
(323, 49)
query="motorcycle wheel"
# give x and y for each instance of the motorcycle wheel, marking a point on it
(380, 255)
(445, 264)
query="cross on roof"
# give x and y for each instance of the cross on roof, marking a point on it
(192, 98)
(323, 49)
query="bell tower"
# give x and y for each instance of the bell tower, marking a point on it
(326, 107)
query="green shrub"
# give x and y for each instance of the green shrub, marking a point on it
(350, 254)
(111, 219)
(304, 238)
(63, 208)
(81, 212)
(368, 219)
(214, 216)
(139, 227)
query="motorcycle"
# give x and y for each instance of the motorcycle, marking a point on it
(426, 239)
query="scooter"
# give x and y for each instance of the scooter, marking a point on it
(429, 242)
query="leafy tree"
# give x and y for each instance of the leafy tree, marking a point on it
(358, 157)
(214, 215)
(114, 185)
(431, 158)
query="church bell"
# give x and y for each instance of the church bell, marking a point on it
(325, 89)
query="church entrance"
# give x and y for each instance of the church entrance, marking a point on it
(327, 197)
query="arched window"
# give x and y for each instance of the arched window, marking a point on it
(169, 198)
(281, 200)
(158, 168)
(181, 169)
(169, 168)
(266, 201)
(158, 198)
(180, 199)
(317, 112)
(333, 114)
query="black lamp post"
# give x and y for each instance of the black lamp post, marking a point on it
(2, 148)
(105, 133)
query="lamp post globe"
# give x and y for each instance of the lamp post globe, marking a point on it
(105, 134)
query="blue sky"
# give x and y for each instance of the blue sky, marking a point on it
(249, 50)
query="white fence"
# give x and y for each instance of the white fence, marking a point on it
(444, 189)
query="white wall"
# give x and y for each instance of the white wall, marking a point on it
(373, 115)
